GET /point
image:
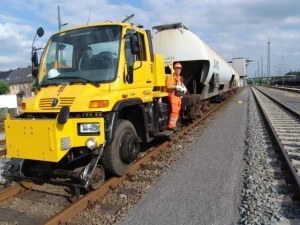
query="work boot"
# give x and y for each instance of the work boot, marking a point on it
(173, 129)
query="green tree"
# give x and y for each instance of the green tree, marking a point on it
(33, 85)
(4, 88)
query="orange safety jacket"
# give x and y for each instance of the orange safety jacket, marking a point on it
(174, 80)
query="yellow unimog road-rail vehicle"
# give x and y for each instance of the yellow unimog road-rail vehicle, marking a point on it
(100, 94)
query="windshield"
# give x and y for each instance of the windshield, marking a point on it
(89, 55)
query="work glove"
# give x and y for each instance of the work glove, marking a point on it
(178, 87)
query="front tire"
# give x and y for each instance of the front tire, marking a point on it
(119, 155)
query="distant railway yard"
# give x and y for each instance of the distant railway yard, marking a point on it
(239, 163)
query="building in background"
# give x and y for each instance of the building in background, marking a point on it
(19, 81)
(240, 65)
(4, 75)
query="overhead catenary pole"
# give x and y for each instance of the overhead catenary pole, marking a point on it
(59, 29)
(281, 67)
(59, 21)
(268, 67)
(262, 68)
(258, 73)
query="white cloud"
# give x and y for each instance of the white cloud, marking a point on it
(292, 20)
(230, 27)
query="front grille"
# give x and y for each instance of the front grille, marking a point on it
(45, 103)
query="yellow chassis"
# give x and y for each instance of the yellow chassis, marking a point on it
(45, 139)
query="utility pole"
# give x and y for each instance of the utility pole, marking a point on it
(262, 68)
(268, 67)
(281, 67)
(59, 29)
(59, 21)
(258, 69)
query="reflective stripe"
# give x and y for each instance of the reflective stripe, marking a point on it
(172, 122)
(173, 119)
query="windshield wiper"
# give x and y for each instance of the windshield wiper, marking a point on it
(85, 81)
(46, 85)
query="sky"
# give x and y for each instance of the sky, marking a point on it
(232, 28)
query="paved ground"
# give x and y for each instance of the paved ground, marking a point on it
(204, 185)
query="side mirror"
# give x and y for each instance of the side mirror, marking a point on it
(34, 59)
(134, 44)
(63, 115)
(40, 31)
(129, 77)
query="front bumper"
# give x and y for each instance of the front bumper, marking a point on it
(45, 139)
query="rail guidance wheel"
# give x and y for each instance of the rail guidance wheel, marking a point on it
(97, 178)
(119, 155)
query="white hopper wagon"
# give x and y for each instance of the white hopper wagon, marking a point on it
(204, 71)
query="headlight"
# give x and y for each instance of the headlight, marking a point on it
(91, 143)
(89, 128)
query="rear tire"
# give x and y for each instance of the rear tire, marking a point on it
(114, 159)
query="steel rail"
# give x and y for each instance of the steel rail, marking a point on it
(296, 90)
(283, 152)
(15, 189)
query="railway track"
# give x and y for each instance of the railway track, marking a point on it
(287, 88)
(268, 195)
(108, 201)
(284, 124)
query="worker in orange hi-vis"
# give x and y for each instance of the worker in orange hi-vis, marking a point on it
(176, 89)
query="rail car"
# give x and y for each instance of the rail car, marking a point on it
(101, 93)
(205, 73)
(292, 81)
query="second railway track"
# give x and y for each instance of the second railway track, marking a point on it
(285, 125)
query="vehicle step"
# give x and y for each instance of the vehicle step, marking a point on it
(164, 133)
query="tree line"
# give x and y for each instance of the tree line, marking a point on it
(4, 87)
